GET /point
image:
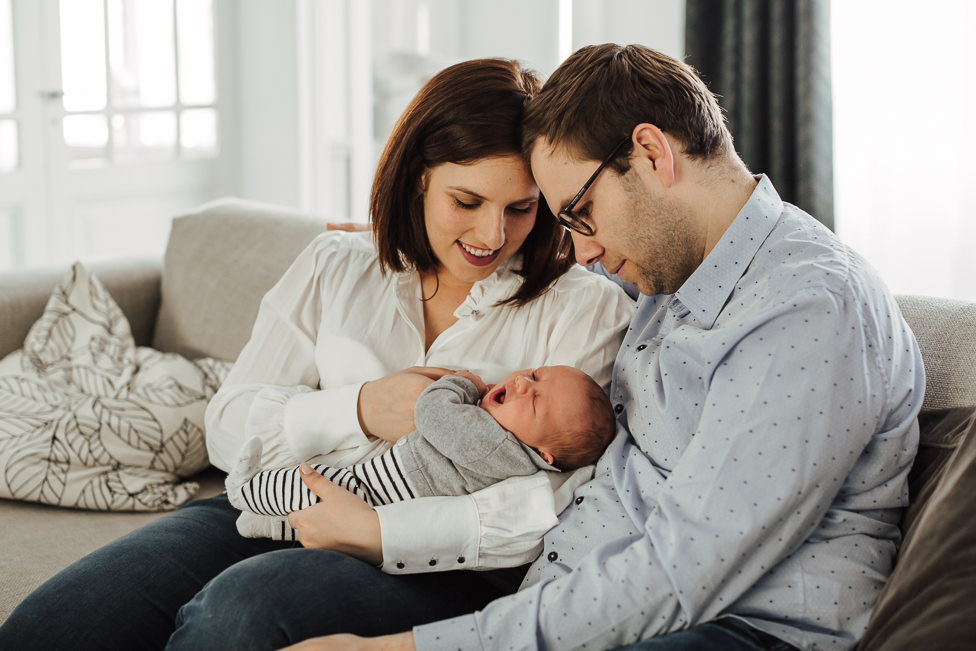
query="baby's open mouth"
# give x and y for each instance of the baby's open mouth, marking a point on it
(497, 396)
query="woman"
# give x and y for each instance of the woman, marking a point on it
(459, 273)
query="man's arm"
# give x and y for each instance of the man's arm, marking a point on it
(768, 459)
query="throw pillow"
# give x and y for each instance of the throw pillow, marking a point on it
(929, 601)
(90, 420)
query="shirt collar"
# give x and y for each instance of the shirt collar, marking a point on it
(707, 290)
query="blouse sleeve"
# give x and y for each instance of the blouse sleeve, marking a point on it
(499, 526)
(272, 391)
(589, 315)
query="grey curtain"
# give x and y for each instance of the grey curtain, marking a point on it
(769, 63)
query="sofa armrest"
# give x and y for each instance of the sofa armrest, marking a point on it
(133, 282)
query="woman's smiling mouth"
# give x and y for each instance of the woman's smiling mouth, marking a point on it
(476, 256)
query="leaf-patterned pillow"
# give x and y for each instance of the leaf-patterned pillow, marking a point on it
(90, 420)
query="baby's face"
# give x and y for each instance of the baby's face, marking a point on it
(534, 403)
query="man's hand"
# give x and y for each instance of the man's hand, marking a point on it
(386, 404)
(352, 227)
(341, 522)
(398, 642)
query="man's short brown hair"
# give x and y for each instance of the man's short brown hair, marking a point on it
(600, 93)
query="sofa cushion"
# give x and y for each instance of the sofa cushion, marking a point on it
(930, 600)
(219, 263)
(90, 420)
(946, 332)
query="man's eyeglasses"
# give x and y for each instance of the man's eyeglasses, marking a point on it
(566, 216)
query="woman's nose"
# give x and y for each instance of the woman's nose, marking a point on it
(491, 229)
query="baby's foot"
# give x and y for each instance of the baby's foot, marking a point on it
(248, 465)
(276, 527)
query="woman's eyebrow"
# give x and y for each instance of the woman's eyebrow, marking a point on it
(472, 193)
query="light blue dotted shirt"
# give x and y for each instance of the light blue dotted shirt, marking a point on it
(766, 427)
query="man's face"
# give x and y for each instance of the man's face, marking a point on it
(641, 233)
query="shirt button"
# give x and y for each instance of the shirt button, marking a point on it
(460, 559)
(579, 500)
(552, 556)
(619, 407)
(400, 566)
(641, 347)
(432, 562)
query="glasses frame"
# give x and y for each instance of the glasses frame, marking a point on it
(567, 218)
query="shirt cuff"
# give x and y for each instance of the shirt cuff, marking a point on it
(324, 421)
(457, 634)
(429, 534)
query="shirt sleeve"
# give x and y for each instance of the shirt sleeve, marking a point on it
(720, 523)
(273, 390)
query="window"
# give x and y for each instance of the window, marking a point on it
(904, 133)
(138, 80)
(110, 124)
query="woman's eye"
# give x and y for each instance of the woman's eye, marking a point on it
(465, 206)
(522, 210)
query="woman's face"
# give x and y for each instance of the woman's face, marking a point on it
(477, 215)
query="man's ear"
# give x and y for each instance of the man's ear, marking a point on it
(651, 145)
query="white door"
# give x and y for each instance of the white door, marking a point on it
(110, 124)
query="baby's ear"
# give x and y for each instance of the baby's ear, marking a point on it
(546, 456)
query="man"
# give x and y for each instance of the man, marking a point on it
(768, 384)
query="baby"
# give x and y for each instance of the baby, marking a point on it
(468, 436)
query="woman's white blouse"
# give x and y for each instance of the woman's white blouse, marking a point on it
(334, 322)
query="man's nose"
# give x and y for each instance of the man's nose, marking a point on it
(588, 250)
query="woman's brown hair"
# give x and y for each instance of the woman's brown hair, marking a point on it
(465, 113)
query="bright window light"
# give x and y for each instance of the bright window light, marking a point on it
(904, 137)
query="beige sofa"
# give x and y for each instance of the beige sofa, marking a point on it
(201, 299)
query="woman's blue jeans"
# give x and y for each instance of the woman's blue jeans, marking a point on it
(240, 593)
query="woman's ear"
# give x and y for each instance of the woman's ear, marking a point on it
(652, 146)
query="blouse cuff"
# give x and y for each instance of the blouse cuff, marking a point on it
(429, 534)
(498, 526)
(323, 421)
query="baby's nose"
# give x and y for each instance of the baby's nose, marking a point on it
(522, 383)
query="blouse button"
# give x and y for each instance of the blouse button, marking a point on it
(400, 565)
(579, 500)
(460, 559)
(641, 347)
(619, 407)
(552, 556)
(432, 562)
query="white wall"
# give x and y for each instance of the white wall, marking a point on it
(266, 121)
(408, 40)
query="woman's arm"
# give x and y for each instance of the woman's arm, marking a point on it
(274, 391)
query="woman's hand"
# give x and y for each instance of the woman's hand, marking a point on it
(386, 404)
(341, 522)
(398, 642)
